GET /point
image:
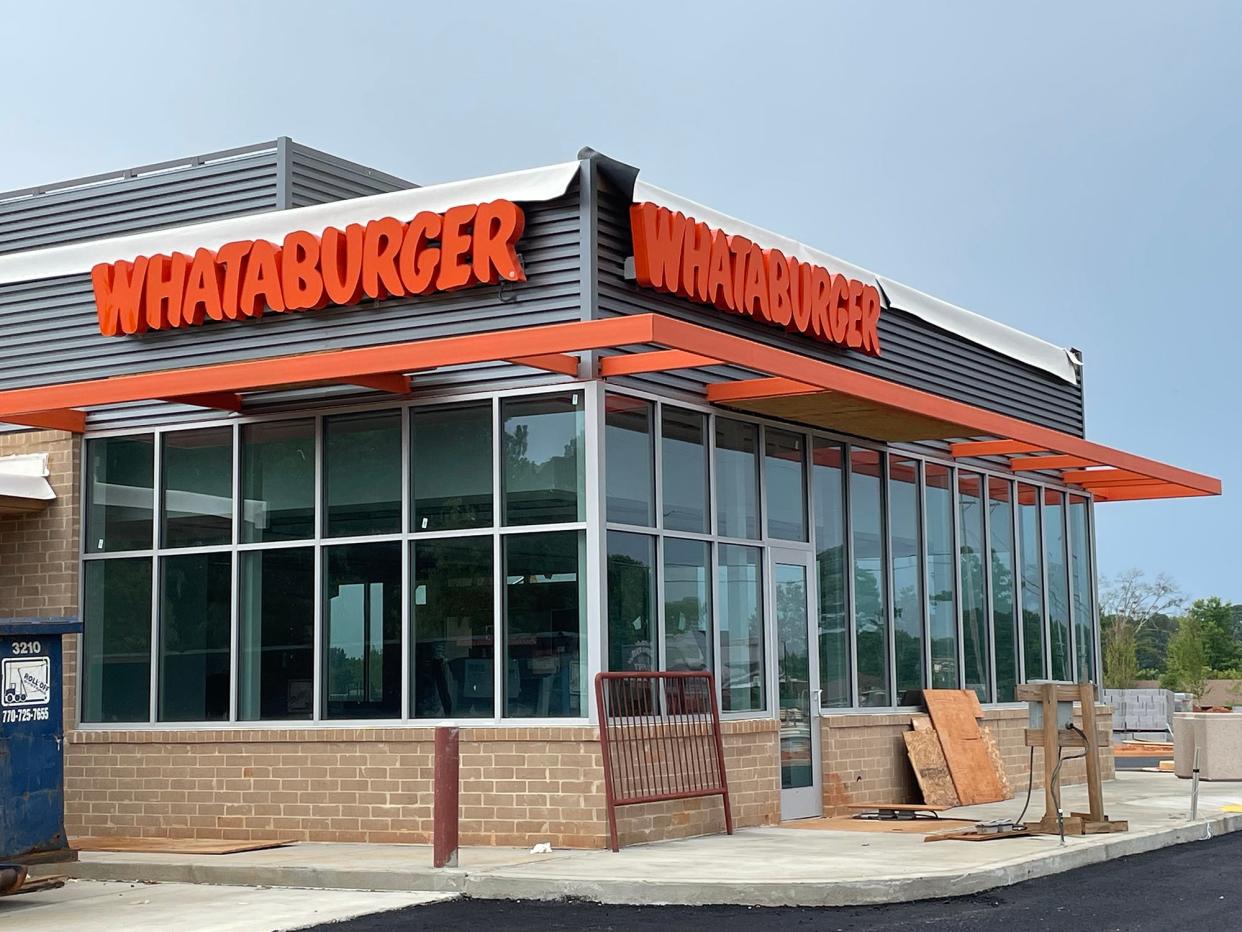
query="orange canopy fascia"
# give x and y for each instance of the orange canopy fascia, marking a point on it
(645, 343)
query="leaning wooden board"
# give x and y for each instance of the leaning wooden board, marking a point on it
(930, 769)
(974, 774)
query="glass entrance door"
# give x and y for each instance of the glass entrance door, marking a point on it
(797, 679)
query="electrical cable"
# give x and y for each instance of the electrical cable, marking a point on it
(1030, 784)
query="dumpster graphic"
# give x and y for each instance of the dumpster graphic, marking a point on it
(25, 682)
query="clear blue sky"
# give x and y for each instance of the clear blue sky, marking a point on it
(1072, 169)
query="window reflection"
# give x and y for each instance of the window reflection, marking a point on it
(742, 670)
(1032, 582)
(907, 577)
(362, 630)
(974, 592)
(278, 481)
(1004, 578)
(543, 457)
(198, 487)
(941, 577)
(684, 470)
(828, 494)
(194, 637)
(1058, 584)
(116, 641)
(630, 467)
(120, 496)
(1080, 577)
(737, 478)
(631, 602)
(785, 483)
(451, 458)
(276, 660)
(870, 578)
(687, 604)
(362, 473)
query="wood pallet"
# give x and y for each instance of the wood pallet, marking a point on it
(123, 843)
(978, 836)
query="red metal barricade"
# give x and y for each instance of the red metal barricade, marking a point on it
(660, 738)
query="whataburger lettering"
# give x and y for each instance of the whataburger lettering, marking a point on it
(676, 254)
(464, 246)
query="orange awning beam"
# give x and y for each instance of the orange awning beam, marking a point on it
(781, 372)
(992, 448)
(392, 382)
(1036, 463)
(225, 401)
(653, 361)
(67, 419)
(549, 362)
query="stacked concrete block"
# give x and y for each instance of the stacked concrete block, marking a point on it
(1146, 711)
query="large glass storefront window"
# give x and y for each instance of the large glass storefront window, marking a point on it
(828, 495)
(120, 496)
(1032, 588)
(630, 460)
(454, 629)
(544, 482)
(941, 577)
(687, 604)
(276, 653)
(545, 620)
(683, 449)
(1004, 580)
(784, 481)
(904, 522)
(116, 641)
(362, 474)
(974, 586)
(870, 576)
(194, 637)
(278, 481)
(1083, 594)
(362, 630)
(198, 487)
(742, 668)
(1058, 584)
(451, 461)
(737, 478)
(631, 602)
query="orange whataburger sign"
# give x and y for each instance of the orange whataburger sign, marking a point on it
(676, 254)
(464, 246)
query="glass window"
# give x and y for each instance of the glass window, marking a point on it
(870, 578)
(974, 591)
(742, 670)
(683, 472)
(451, 457)
(631, 602)
(120, 495)
(278, 481)
(903, 505)
(362, 473)
(276, 654)
(941, 577)
(198, 487)
(737, 478)
(687, 605)
(1080, 578)
(543, 454)
(116, 641)
(1032, 583)
(454, 629)
(794, 685)
(195, 623)
(362, 630)
(785, 480)
(1004, 616)
(545, 618)
(630, 470)
(828, 494)
(1058, 584)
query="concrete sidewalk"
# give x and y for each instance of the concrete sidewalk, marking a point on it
(763, 866)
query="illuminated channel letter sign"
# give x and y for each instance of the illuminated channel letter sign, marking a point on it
(676, 254)
(464, 246)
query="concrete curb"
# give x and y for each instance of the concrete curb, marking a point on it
(499, 884)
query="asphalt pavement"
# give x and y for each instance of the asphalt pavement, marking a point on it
(1192, 886)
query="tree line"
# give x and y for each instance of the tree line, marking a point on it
(1148, 632)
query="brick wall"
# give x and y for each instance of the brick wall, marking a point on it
(39, 549)
(865, 756)
(519, 786)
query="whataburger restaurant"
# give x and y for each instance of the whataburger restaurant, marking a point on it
(342, 458)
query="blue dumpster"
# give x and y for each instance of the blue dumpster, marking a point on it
(32, 771)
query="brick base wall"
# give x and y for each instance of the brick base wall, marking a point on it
(519, 786)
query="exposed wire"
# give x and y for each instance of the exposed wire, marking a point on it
(1030, 784)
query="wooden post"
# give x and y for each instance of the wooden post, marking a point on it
(445, 807)
(1095, 792)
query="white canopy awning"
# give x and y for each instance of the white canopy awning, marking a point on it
(23, 483)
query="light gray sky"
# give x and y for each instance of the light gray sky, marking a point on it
(1072, 169)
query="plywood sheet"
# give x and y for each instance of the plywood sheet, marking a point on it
(975, 777)
(989, 741)
(906, 827)
(170, 845)
(930, 768)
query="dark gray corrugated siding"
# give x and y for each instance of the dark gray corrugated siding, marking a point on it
(51, 332)
(318, 178)
(914, 352)
(213, 191)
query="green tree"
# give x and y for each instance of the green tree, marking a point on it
(1215, 618)
(1129, 604)
(1186, 667)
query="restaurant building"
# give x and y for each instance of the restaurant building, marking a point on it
(329, 458)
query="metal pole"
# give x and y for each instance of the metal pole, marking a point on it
(445, 808)
(1194, 788)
